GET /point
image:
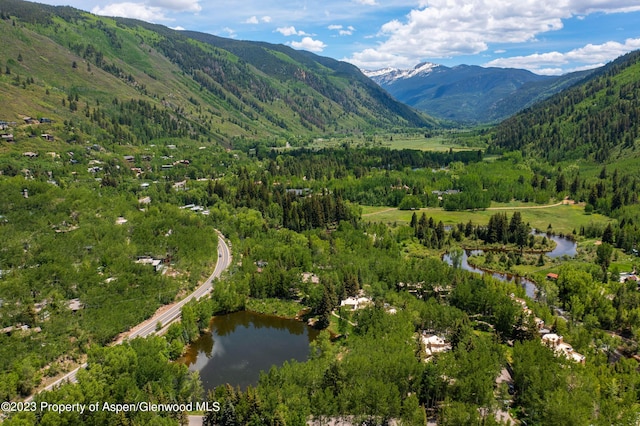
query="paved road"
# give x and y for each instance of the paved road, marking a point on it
(173, 313)
(167, 316)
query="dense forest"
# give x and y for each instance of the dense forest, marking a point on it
(593, 120)
(253, 203)
(117, 174)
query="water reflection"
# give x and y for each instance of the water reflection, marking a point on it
(528, 285)
(242, 344)
(563, 247)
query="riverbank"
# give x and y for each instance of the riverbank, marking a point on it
(291, 309)
(288, 309)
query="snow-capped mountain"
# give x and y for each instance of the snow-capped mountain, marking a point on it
(469, 93)
(389, 75)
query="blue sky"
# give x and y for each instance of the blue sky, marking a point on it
(544, 36)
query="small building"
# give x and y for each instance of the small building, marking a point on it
(434, 344)
(308, 277)
(552, 340)
(390, 309)
(355, 303)
(75, 305)
(440, 194)
(7, 138)
(47, 137)
(148, 260)
(144, 200)
(121, 221)
(129, 158)
(552, 277)
(30, 154)
(556, 343)
(299, 191)
(180, 186)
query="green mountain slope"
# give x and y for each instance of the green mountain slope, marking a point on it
(130, 82)
(471, 94)
(597, 120)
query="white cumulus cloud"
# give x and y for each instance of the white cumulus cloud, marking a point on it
(341, 30)
(132, 10)
(586, 57)
(178, 5)
(307, 43)
(290, 31)
(228, 32)
(150, 10)
(447, 28)
(254, 20)
(376, 59)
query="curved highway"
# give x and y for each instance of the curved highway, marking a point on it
(167, 316)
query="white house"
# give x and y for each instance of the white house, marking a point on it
(434, 344)
(556, 343)
(355, 303)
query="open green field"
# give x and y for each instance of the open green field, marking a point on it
(396, 141)
(563, 218)
(437, 143)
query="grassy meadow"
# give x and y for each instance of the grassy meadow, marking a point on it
(417, 141)
(563, 218)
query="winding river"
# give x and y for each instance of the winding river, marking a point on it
(564, 247)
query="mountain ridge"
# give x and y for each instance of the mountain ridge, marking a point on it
(77, 67)
(597, 120)
(389, 75)
(470, 94)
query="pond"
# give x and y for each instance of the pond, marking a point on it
(563, 247)
(242, 344)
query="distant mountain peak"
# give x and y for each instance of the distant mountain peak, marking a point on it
(389, 75)
(468, 93)
(424, 67)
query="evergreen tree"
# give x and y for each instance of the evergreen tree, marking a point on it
(607, 235)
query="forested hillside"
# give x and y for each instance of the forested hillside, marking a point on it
(597, 120)
(589, 135)
(126, 147)
(129, 82)
(471, 94)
